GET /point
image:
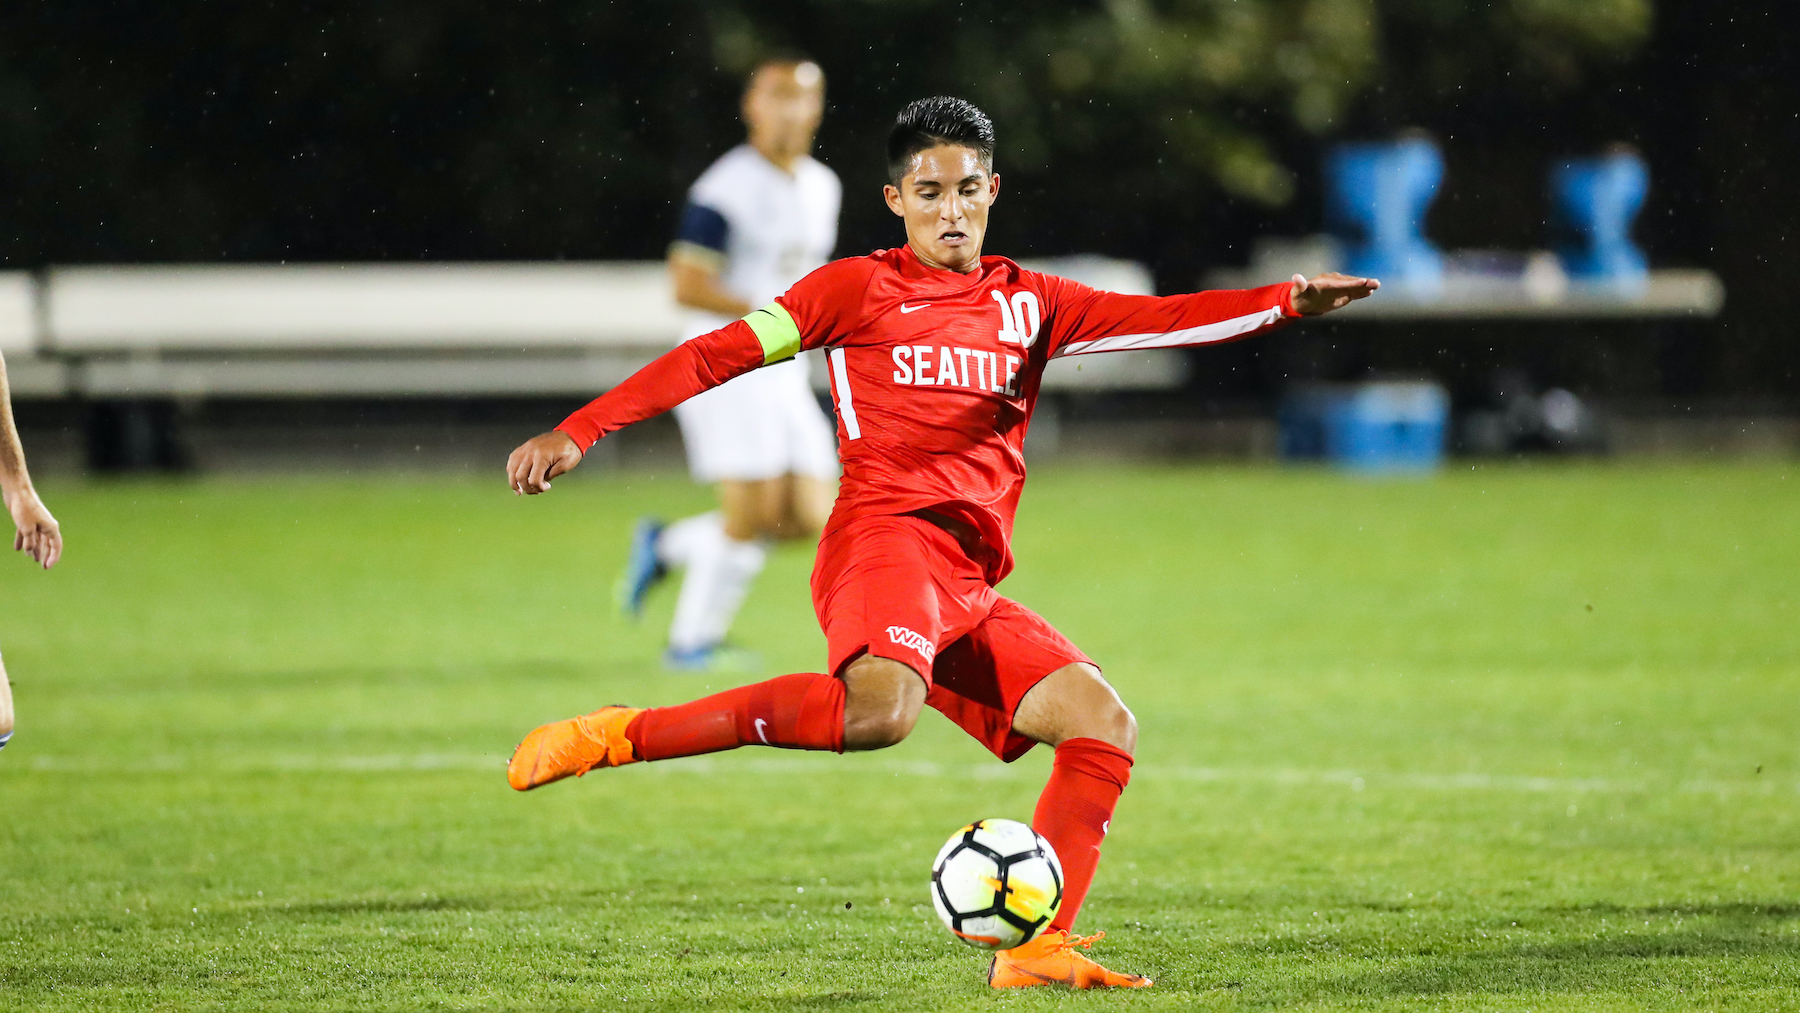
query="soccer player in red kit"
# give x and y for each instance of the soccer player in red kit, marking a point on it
(935, 354)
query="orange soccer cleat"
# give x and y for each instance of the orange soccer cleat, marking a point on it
(1050, 959)
(572, 748)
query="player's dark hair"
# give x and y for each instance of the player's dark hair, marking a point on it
(930, 122)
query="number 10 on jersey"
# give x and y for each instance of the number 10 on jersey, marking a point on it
(1018, 318)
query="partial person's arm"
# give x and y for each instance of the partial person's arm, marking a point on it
(35, 532)
(697, 286)
(695, 365)
(697, 259)
(818, 307)
(1088, 320)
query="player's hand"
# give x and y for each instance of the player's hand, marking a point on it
(1329, 291)
(35, 532)
(540, 459)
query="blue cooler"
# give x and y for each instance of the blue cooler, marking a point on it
(1387, 427)
(1366, 427)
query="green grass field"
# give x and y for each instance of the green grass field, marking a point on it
(1510, 738)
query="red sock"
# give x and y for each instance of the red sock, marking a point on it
(803, 711)
(1074, 811)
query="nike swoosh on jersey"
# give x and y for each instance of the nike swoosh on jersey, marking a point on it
(909, 309)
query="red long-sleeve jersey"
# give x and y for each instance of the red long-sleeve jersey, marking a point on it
(935, 373)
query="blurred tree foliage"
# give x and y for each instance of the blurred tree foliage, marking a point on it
(138, 130)
(1205, 82)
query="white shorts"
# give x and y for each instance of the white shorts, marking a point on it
(764, 424)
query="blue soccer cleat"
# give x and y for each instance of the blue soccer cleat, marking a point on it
(643, 570)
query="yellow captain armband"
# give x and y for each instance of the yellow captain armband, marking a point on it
(776, 329)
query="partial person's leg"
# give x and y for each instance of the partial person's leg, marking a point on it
(724, 552)
(752, 508)
(763, 438)
(1014, 681)
(6, 707)
(680, 542)
(1076, 711)
(721, 561)
(804, 506)
(731, 442)
(874, 590)
(873, 706)
(790, 506)
(882, 705)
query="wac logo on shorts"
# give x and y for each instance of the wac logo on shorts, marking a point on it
(907, 638)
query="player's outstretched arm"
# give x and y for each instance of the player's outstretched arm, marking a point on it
(693, 366)
(538, 460)
(1087, 320)
(1329, 291)
(822, 300)
(35, 532)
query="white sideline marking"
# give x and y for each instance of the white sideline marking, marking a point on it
(287, 763)
(706, 766)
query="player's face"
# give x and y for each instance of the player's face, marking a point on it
(783, 105)
(944, 199)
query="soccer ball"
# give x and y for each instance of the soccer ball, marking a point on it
(996, 884)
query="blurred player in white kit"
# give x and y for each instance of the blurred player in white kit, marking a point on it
(758, 220)
(35, 532)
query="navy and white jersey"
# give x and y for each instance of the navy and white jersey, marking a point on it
(764, 228)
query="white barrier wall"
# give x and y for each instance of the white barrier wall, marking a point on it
(320, 307)
(373, 330)
(18, 314)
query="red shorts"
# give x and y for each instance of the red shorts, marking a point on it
(902, 588)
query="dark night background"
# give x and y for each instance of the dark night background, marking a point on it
(395, 130)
